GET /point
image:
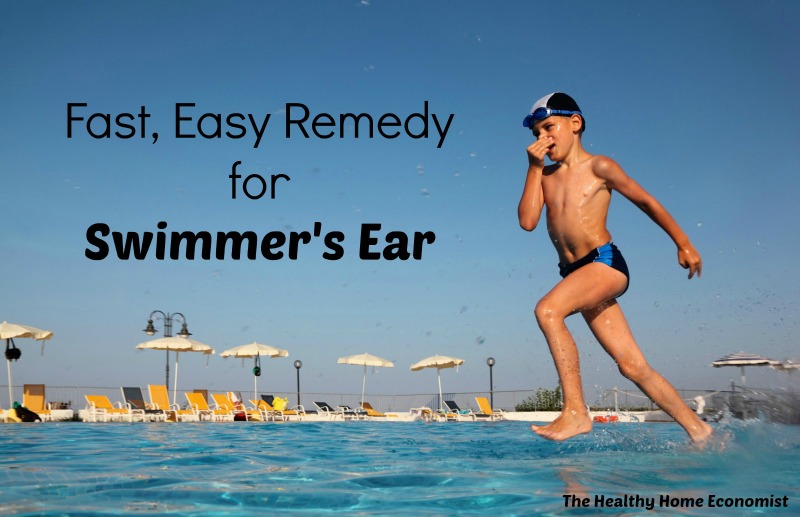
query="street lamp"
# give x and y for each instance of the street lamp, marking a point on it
(490, 362)
(298, 364)
(150, 330)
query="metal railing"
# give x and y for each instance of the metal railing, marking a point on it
(739, 402)
(73, 397)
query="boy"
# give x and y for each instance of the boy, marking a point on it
(576, 188)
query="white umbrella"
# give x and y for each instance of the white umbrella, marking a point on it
(438, 362)
(742, 359)
(9, 331)
(177, 344)
(365, 360)
(256, 350)
(788, 365)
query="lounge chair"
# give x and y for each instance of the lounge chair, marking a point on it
(159, 399)
(134, 398)
(486, 409)
(253, 413)
(100, 409)
(295, 411)
(456, 413)
(331, 412)
(33, 398)
(202, 411)
(443, 414)
(267, 412)
(422, 413)
(224, 402)
(9, 415)
(371, 411)
(360, 412)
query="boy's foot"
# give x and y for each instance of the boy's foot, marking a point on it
(567, 425)
(701, 433)
(705, 439)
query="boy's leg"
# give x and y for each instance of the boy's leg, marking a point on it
(587, 287)
(609, 326)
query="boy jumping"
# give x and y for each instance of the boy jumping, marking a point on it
(576, 189)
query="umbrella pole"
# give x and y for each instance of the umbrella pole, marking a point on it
(439, 374)
(10, 389)
(166, 383)
(175, 388)
(743, 379)
(256, 367)
(363, 385)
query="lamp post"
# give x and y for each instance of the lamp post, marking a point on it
(298, 364)
(167, 319)
(490, 362)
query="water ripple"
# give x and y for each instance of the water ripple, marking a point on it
(371, 467)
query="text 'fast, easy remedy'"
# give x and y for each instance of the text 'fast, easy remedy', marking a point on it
(300, 121)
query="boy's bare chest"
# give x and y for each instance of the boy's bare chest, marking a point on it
(572, 190)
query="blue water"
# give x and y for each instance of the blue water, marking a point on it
(379, 468)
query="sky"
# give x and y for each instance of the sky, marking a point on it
(697, 101)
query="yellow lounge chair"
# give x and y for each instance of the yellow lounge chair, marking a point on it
(371, 411)
(297, 411)
(99, 408)
(9, 415)
(223, 402)
(486, 409)
(159, 399)
(202, 410)
(33, 398)
(266, 411)
(250, 412)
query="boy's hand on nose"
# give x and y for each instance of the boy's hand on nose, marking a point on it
(538, 149)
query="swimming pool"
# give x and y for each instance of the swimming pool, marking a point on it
(376, 468)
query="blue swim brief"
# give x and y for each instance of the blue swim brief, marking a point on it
(608, 254)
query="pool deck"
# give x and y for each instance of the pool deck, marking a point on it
(417, 415)
(8, 416)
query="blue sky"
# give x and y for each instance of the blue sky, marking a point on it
(697, 101)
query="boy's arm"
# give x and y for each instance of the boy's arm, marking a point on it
(532, 202)
(616, 179)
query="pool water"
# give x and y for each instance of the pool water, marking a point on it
(379, 468)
